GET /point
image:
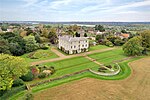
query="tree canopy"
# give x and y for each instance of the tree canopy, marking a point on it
(145, 39)
(31, 44)
(11, 68)
(99, 28)
(133, 46)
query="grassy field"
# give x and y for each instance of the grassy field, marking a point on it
(97, 47)
(109, 57)
(76, 64)
(125, 72)
(135, 87)
(41, 55)
(69, 66)
(72, 65)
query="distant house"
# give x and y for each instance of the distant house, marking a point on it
(122, 35)
(9, 30)
(98, 32)
(73, 45)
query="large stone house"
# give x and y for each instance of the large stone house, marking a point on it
(73, 45)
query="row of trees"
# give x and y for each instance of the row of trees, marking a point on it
(110, 40)
(11, 43)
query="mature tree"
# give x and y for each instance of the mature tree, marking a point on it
(100, 37)
(85, 35)
(4, 46)
(145, 39)
(77, 34)
(11, 68)
(17, 45)
(31, 44)
(23, 33)
(99, 28)
(37, 38)
(29, 31)
(4, 28)
(16, 49)
(8, 35)
(75, 28)
(118, 42)
(52, 36)
(70, 32)
(133, 46)
(112, 38)
(123, 31)
(45, 32)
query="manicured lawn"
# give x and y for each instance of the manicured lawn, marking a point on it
(109, 57)
(69, 66)
(97, 47)
(125, 72)
(41, 55)
(76, 64)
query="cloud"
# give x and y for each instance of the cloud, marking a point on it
(130, 5)
(30, 2)
(56, 4)
(78, 10)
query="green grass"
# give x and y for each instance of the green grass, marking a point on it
(69, 66)
(125, 72)
(97, 47)
(108, 57)
(41, 55)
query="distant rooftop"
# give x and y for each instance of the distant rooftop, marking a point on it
(72, 39)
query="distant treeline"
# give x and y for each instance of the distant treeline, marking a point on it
(86, 23)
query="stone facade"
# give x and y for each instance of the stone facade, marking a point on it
(73, 45)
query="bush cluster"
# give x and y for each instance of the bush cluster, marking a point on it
(18, 82)
(28, 77)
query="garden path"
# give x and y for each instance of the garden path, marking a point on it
(62, 57)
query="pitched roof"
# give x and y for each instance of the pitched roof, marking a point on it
(72, 39)
(125, 35)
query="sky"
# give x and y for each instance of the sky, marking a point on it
(75, 10)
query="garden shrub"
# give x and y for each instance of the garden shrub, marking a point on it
(102, 69)
(109, 66)
(18, 82)
(115, 66)
(28, 96)
(110, 44)
(28, 77)
(35, 71)
(31, 56)
(4, 95)
(42, 75)
(44, 47)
